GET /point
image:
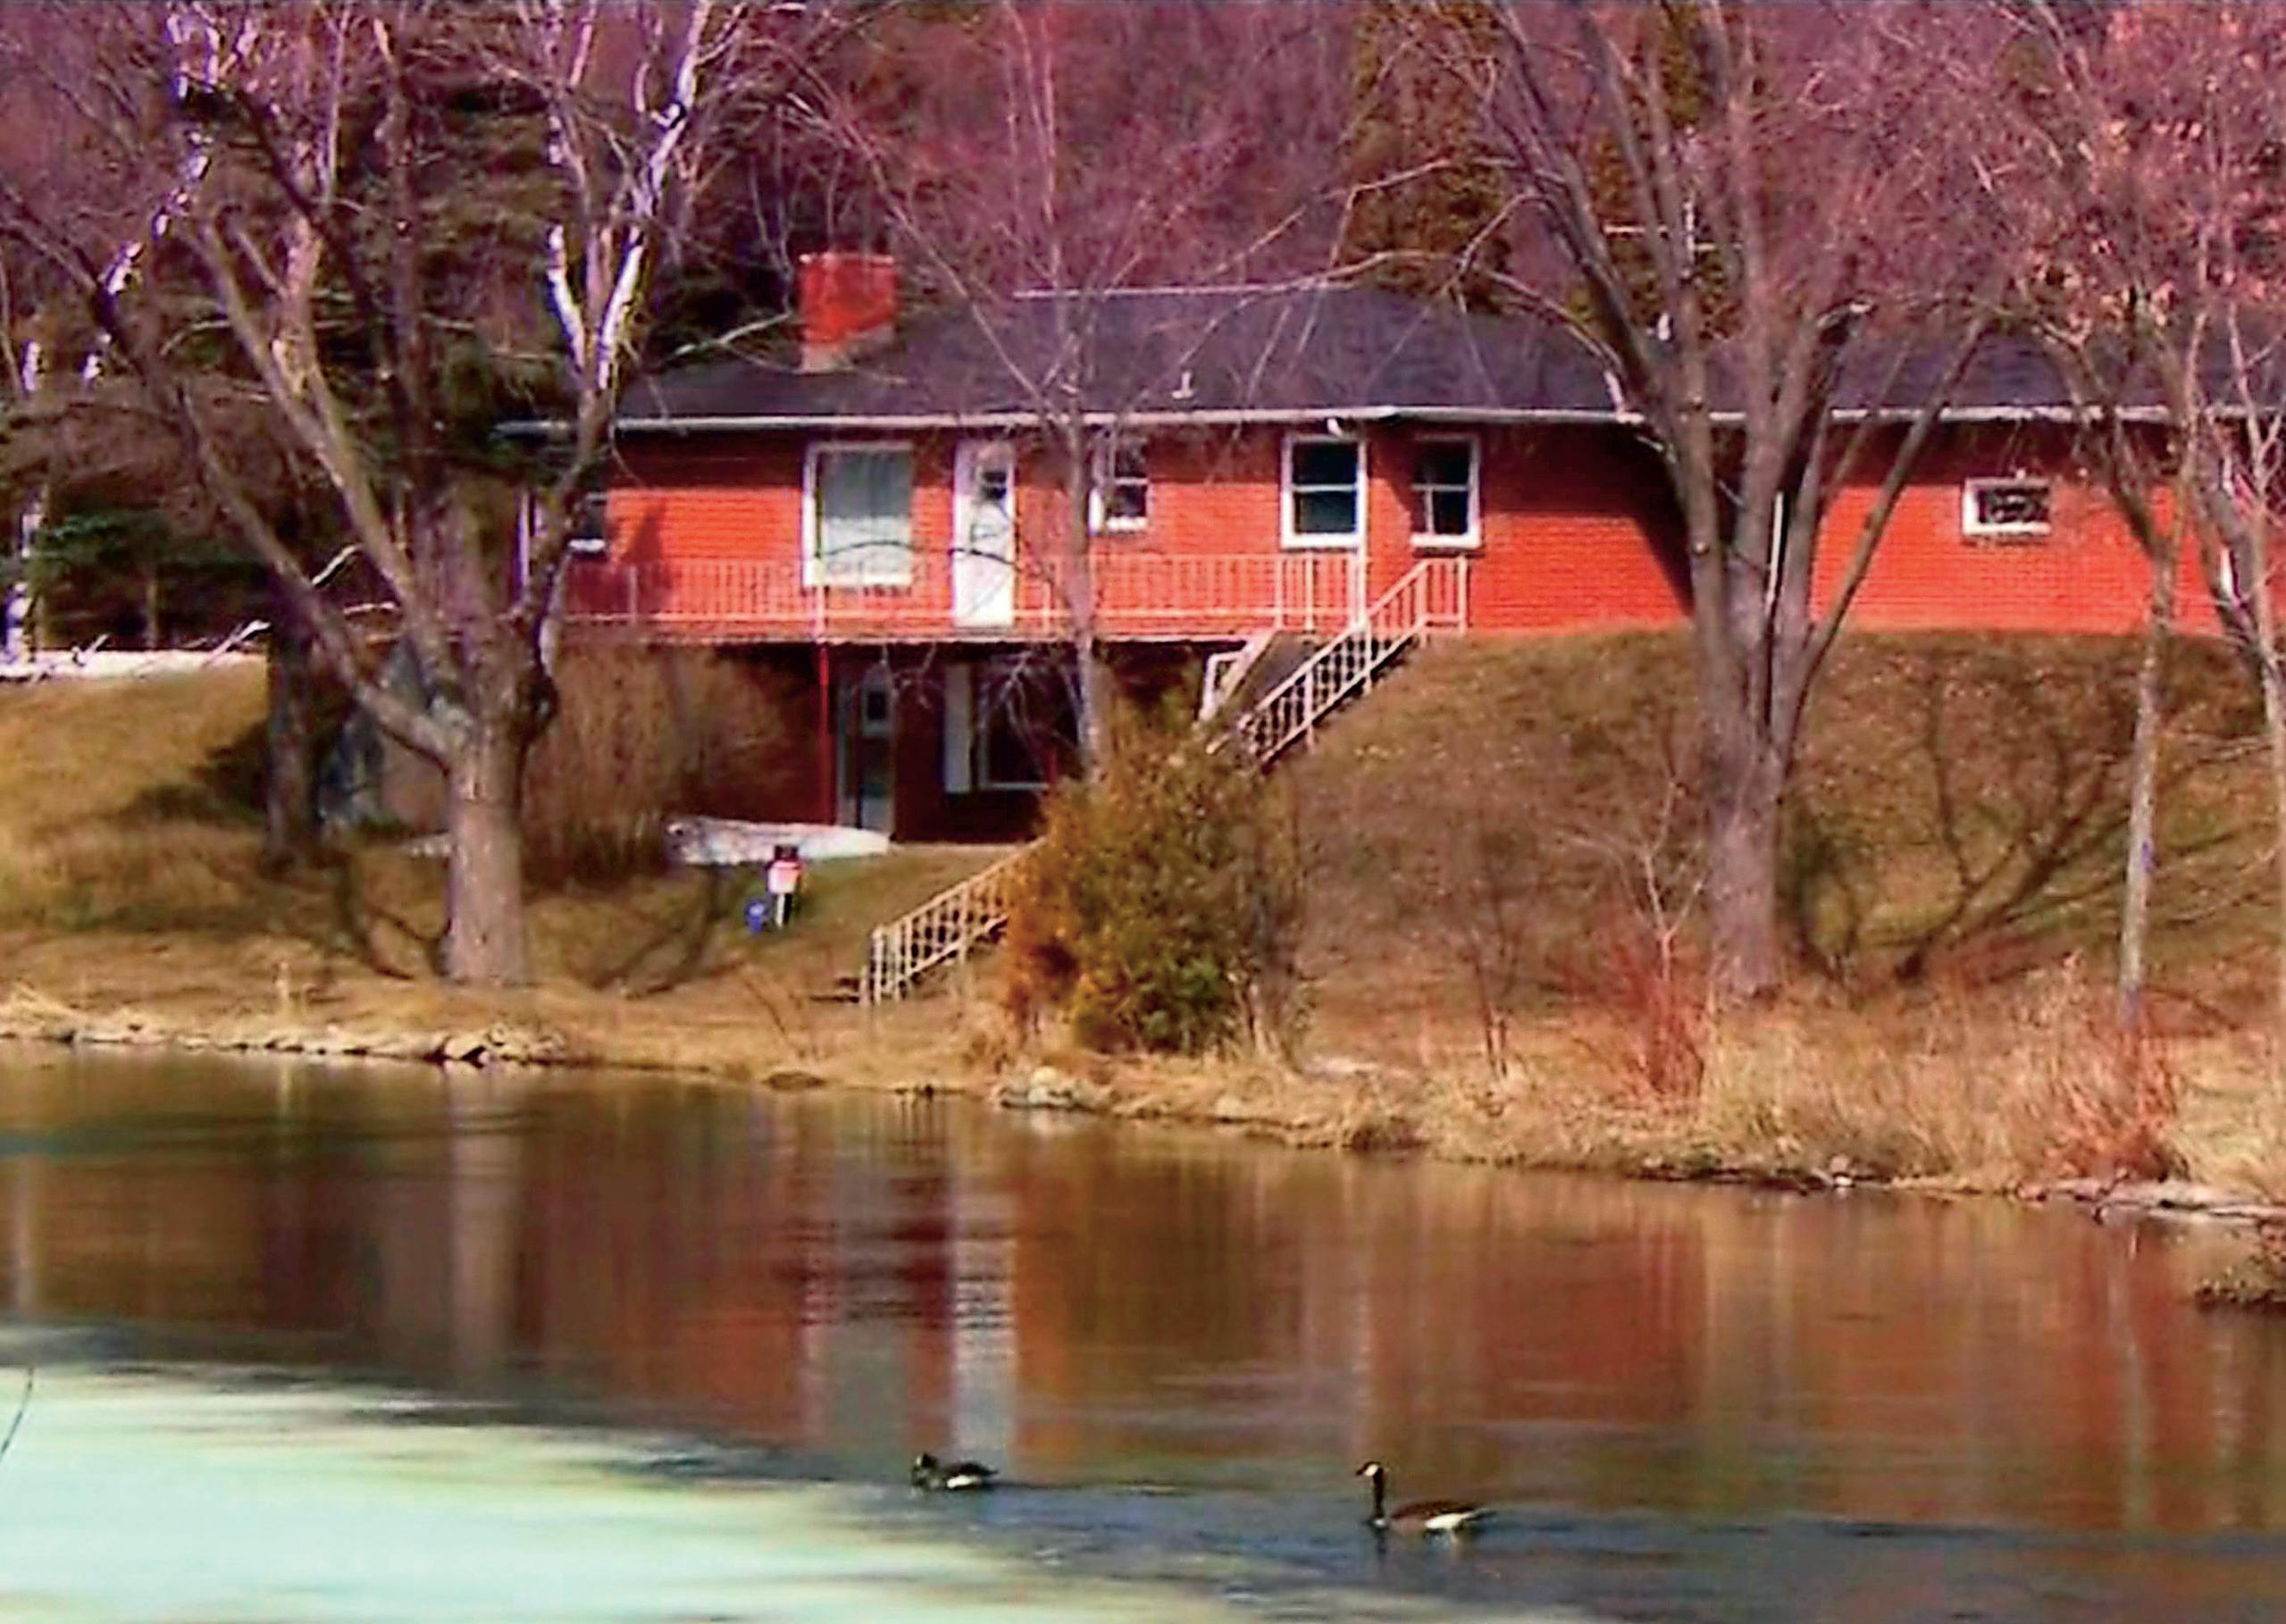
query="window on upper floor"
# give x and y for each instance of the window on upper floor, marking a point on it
(1445, 492)
(858, 515)
(2017, 509)
(1121, 498)
(1325, 490)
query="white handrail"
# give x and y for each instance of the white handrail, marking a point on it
(1431, 596)
(944, 927)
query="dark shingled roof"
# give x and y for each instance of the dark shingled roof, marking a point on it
(1206, 351)
(1284, 352)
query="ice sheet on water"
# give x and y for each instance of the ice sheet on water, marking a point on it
(141, 1496)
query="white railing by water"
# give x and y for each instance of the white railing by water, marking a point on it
(1433, 596)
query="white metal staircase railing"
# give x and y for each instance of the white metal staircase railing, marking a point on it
(1433, 596)
(943, 928)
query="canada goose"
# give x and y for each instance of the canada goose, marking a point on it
(1449, 1517)
(951, 1476)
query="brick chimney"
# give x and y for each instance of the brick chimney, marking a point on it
(848, 304)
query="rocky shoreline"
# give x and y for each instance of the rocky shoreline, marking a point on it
(496, 1044)
(503, 1045)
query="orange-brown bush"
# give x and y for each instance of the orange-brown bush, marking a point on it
(641, 735)
(1160, 907)
(2120, 1120)
(1656, 999)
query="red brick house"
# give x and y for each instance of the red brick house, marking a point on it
(885, 526)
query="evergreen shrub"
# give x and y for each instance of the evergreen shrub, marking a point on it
(1162, 908)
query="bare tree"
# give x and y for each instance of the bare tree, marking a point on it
(50, 351)
(2153, 245)
(1739, 209)
(396, 198)
(1039, 166)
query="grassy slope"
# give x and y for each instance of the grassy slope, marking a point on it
(1958, 819)
(1485, 819)
(1481, 829)
(129, 878)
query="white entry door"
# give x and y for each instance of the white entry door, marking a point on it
(984, 533)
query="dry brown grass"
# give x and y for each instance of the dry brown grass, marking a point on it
(125, 803)
(1957, 820)
(129, 874)
(1527, 809)
(2023, 1084)
(1987, 1093)
(640, 736)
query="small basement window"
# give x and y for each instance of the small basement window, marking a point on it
(1445, 492)
(2021, 508)
(1121, 500)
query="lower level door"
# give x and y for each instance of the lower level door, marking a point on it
(864, 733)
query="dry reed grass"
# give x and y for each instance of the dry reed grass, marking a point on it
(640, 736)
(2024, 1084)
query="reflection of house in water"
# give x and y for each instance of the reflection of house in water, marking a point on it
(1074, 1298)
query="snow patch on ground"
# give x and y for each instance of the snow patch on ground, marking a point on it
(726, 842)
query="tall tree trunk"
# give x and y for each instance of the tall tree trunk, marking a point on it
(2143, 794)
(20, 627)
(1745, 793)
(153, 638)
(289, 765)
(1095, 703)
(2270, 675)
(1094, 676)
(2273, 727)
(485, 938)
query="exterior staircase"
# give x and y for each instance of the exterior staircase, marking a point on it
(1431, 596)
(943, 928)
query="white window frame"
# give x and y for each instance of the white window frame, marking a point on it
(1104, 475)
(1977, 529)
(1328, 540)
(813, 562)
(1473, 537)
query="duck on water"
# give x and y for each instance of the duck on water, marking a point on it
(1450, 1517)
(950, 1477)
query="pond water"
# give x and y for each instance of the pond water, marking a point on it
(318, 1344)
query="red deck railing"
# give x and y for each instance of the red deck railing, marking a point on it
(1135, 594)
